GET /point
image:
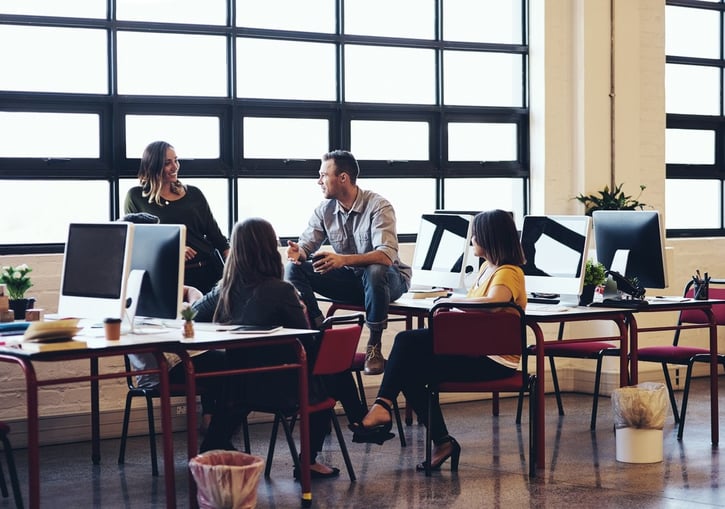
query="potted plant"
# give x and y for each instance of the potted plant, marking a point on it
(611, 200)
(594, 275)
(17, 281)
(188, 313)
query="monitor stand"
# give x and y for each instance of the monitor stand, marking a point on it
(133, 290)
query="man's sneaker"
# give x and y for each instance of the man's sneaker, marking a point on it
(374, 360)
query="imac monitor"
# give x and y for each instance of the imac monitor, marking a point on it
(556, 249)
(158, 251)
(442, 251)
(96, 265)
(632, 243)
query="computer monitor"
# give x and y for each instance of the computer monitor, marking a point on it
(442, 252)
(96, 264)
(556, 250)
(632, 242)
(158, 252)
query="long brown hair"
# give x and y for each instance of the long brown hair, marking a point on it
(151, 171)
(254, 256)
(495, 232)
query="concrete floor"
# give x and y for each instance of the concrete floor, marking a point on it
(581, 469)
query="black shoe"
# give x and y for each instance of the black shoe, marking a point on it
(373, 434)
(455, 455)
(314, 474)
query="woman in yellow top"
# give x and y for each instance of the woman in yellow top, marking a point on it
(411, 360)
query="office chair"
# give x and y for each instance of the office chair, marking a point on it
(340, 338)
(477, 332)
(149, 393)
(595, 350)
(9, 459)
(686, 355)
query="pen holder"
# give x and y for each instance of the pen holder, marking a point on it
(701, 290)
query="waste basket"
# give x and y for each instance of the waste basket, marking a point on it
(226, 479)
(639, 416)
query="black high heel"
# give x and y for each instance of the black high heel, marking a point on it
(454, 455)
(373, 434)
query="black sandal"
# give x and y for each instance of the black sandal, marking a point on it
(374, 434)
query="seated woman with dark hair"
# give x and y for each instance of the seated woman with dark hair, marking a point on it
(253, 292)
(412, 362)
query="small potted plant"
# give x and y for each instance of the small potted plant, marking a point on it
(17, 281)
(594, 275)
(188, 313)
(611, 200)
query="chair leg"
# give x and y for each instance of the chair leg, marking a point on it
(245, 432)
(671, 392)
(361, 390)
(343, 447)
(595, 398)
(3, 485)
(152, 435)
(495, 404)
(533, 409)
(272, 442)
(685, 395)
(519, 406)
(12, 471)
(396, 411)
(124, 429)
(555, 379)
(432, 399)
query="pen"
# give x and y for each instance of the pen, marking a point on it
(697, 271)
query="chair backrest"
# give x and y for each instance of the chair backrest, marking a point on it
(716, 291)
(340, 337)
(480, 329)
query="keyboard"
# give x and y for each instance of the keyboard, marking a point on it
(542, 300)
(621, 303)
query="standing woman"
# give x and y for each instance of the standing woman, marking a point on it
(162, 194)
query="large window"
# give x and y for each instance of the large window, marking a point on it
(695, 148)
(430, 95)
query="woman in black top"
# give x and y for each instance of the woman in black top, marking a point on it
(162, 194)
(252, 292)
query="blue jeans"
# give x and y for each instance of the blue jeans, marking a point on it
(373, 286)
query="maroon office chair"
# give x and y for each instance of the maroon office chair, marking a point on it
(595, 350)
(9, 459)
(686, 355)
(340, 337)
(482, 329)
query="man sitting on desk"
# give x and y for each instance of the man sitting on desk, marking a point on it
(364, 267)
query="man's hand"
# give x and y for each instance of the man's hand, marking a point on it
(189, 253)
(325, 261)
(294, 253)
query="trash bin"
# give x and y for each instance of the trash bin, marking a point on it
(639, 416)
(226, 479)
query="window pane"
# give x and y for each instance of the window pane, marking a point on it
(481, 142)
(285, 138)
(692, 89)
(690, 146)
(692, 32)
(389, 75)
(26, 134)
(485, 194)
(215, 191)
(482, 79)
(208, 12)
(44, 59)
(171, 64)
(400, 141)
(402, 18)
(692, 203)
(307, 16)
(69, 8)
(482, 21)
(90, 204)
(301, 196)
(269, 69)
(192, 137)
